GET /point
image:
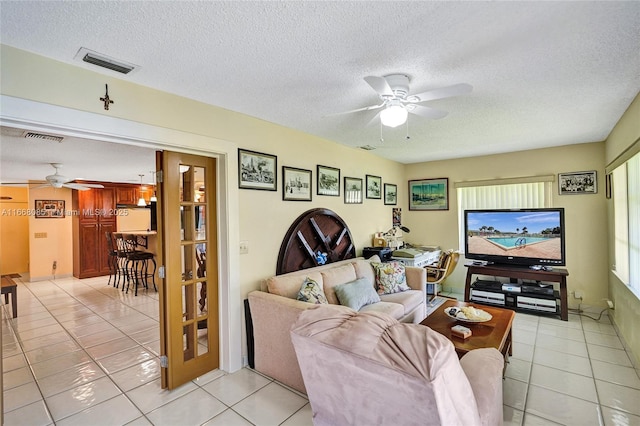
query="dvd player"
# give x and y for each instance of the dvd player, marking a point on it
(487, 285)
(537, 289)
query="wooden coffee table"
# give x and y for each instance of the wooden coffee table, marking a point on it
(495, 333)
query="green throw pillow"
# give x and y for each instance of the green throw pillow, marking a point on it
(390, 277)
(356, 294)
(311, 292)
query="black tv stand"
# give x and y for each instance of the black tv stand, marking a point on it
(514, 273)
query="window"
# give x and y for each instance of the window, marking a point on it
(531, 192)
(626, 216)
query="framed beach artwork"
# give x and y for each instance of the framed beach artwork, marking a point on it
(374, 187)
(577, 183)
(429, 194)
(257, 170)
(328, 181)
(352, 190)
(390, 194)
(296, 184)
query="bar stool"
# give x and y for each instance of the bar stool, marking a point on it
(112, 260)
(122, 260)
(139, 264)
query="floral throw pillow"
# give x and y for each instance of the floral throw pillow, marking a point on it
(311, 292)
(390, 277)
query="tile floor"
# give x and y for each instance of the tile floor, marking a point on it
(81, 352)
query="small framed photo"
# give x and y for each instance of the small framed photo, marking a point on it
(429, 194)
(296, 184)
(578, 183)
(390, 194)
(328, 181)
(257, 170)
(49, 209)
(374, 187)
(352, 190)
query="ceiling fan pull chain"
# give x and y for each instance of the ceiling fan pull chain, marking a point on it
(381, 138)
(408, 137)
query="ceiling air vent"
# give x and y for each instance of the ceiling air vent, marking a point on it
(104, 61)
(42, 136)
(368, 147)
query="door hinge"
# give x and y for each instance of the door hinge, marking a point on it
(164, 361)
(161, 271)
(159, 177)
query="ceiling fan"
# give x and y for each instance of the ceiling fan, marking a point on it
(398, 103)
(56, 180)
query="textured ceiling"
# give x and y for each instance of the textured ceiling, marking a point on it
(544, 73)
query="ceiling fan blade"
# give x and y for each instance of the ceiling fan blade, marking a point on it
(379, 84)
(81, 187)
(356, 110)
(443, 92)
(426, 112)
(374, 119)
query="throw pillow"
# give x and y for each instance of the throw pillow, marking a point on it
(390, 277)
(356, 294)
(311, 292)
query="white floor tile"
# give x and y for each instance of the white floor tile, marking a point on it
(302, 417)
(571, 363)
(107, 349)
(619, 418)
(603, 340)
(20, 396)
(518, 369)
(34, 414)
(115, 411)
(598, 327)
(150, 396)
(233, 388)
(78, 399)
(559, 344)
(137, 374)
(564, 382)
(51, 351)
(611, 355)
(514, 393)
(18, 377)
(194, 408)
(523, 351)
(531, 420)
(228, 418)
(61, 363)
(122, 360)
(70, 378)
(271, 405)
(620, 375)
(13, 362)
(511, 416)
(562, 332)
(561, 408)
(619, 397)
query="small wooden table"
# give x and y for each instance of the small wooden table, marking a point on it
(9, 287)
(495, 333)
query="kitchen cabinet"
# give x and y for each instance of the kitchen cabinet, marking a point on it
(96, 215)
(126, 195)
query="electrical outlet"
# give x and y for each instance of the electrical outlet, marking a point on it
(244, 247)
(578, 294)
(55, 264)
(610, 304)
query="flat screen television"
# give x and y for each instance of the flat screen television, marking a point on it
(515, 236)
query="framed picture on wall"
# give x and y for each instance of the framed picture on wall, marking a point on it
(577, 183)
(352, 190)
(49, 209)
(429, 194)
(296, 184)
(257, 170)
(374, 187)
(328, 181)
(390, 194)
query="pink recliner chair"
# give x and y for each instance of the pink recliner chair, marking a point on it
(369, 369)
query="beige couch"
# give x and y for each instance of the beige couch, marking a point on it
(274, 309)
(368, 369)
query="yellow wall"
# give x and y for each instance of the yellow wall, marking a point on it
(627, 305)
(14, 228)
(57, 244)
(585, 214)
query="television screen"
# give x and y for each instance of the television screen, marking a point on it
(518, 236)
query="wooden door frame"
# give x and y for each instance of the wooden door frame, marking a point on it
(31, 115)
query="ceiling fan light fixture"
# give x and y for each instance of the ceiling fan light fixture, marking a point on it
(394, 116)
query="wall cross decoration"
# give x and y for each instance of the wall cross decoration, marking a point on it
(106, 99)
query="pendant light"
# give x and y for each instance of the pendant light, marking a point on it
(141, 200)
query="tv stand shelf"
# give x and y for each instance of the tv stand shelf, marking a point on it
(514, 273)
